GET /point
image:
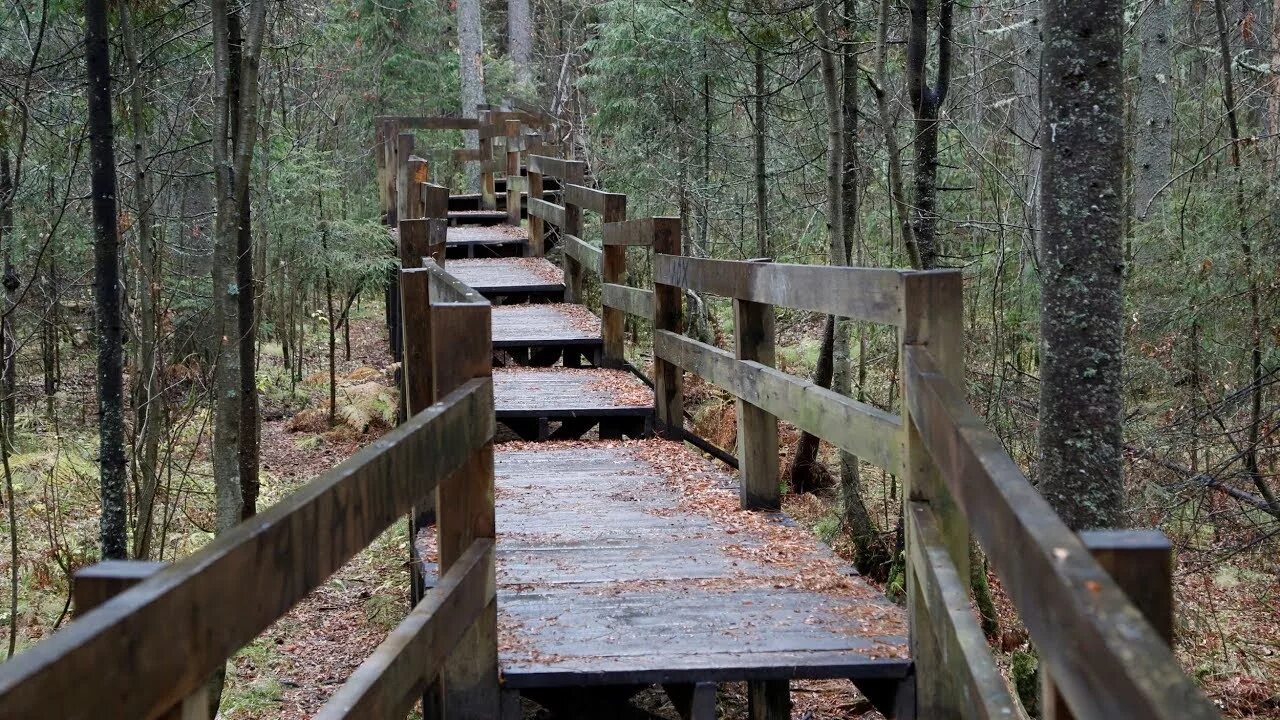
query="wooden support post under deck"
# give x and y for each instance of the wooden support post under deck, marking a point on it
(668, 314)
(613, 269)
(574, 273)
(537, 240)
(1141, 563)
(769, 700)
(753, 336)
(932, 307)
(488, 192)
(513, 172)
(98, 583)
(462, 351)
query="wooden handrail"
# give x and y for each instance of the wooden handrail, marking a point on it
(1105, 657)
(177, 627)
(869, 294)
(392, 679)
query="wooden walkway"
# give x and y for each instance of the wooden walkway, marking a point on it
(630, 563)
(483, 241)
(512, 279)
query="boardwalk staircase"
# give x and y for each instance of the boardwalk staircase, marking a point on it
(571, 547)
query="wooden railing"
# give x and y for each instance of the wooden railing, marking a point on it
(147, 637)
(1102, 655)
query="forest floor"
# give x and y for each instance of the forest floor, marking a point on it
(1227, 581)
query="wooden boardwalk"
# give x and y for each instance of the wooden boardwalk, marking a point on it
(483, 241)
(543, 334)
(625, 563)
(512, 279)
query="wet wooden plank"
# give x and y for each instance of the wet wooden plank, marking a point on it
(486, 235)
(510, 276)
(555, 324)
(568, 392)
(608, 574)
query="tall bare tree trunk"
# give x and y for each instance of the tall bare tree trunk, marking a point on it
(1082, 206)
(1153, 146)
(146, 381)
(471, 67)
(926, 101)
(520, 45)
(760, 131)
(106, 283)
(897, 192)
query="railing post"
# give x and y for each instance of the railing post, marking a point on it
(932, 316)
(613, 269)
(1141, 563)
(513, 172)
(417, 178)
(668, 314)
(537, 239)
(462, 350)
(574, 273)
(98, 583)
(488, 192)
(753, 339)
(403, 177)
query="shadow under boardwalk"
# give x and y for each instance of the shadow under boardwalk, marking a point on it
(629, 563)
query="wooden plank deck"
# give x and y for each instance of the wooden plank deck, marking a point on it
(547, 331)
(522, 277)
(629, 562)
(485, 241)
(569, 392)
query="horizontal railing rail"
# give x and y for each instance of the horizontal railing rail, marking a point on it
(145, 650)
(1103, 656)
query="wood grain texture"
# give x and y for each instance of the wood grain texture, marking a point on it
(585, 254)
(537, 232)
(562, 392)
(632, 233)
(555, 167)
(858, 428)
(598, 201)
(970, 664)
(392, 679)
(668, 315)
(606, 577)
(860, 293)
(550, 212)
(632, 301)
(1087, 632)
(176, 627)
(508, 276)
(544, 325)
(753, 331)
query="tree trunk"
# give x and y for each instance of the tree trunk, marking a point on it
(927, 101)
(102, 180)
(8, 338)
(1153, 147)
(146, 382)
(897, 193)
(761, 129)
(520, 45)
(1081, 461)
(471, 67)
(1026, 87)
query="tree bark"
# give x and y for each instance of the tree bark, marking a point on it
(102, 180)
(927, 101)
(1080, 460)
(146, 382)
(471, 67)
(897, 192)
(1153, 148)
(761, 129)
(520, 45)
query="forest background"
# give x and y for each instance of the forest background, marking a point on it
(249, 250)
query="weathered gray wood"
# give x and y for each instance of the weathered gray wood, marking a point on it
(668, 315)
(613, 270)
(98, 583)
(630, 300)
(552, 324)
(635, 233)
(1141, 563)
(509, 276)
(753, 333)
(584, 253)
(555, 167)
(607, 577)
(403, 177)
(435, 200)
(599, 201)
(445, 288)
(562, 392)
(858, 428)
(488, 192)
(861, 293)
(415, 319)
(574, 272)
(1086, 630)
(932, 316)
(769, 700)
(537, 233)
(176, 627)
(547, 211)
(983, 693)
(512, 133)
(461, 346)
(388, 683)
